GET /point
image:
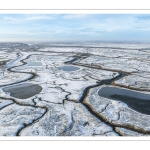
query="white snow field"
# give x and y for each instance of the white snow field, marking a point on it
(69, 103)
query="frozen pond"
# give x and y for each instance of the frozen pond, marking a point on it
(137, 101)
(69, 68)
(3, 62)
(23, 91)
(35, 63)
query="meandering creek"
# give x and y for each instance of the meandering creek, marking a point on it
(137, 101)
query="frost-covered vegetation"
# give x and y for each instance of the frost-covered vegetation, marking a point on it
(69, 104)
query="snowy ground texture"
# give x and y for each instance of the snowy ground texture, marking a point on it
(69, 104)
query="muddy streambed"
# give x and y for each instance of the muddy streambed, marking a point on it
(137, 101)
(23, 91)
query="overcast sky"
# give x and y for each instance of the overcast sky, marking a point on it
(75, 27)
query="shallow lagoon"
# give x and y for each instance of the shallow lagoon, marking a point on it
(69, 68)
(137, 101)
(23, 91)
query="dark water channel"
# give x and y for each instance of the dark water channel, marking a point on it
(137, 101)
(69, 68)
(23, 91)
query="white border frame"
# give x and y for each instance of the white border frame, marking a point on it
(75, 11)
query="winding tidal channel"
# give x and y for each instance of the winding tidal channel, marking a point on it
(131, 98)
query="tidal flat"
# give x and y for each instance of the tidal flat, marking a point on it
(79, 89)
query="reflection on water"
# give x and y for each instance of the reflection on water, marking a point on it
(23, 91)
(138, 101)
